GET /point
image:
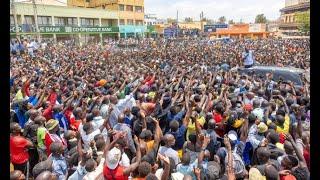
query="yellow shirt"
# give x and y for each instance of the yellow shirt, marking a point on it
(149, 145)
(286, 125)
(192, 126)
(11, 167)
(19, 95)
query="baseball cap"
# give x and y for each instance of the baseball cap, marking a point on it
(113, 158)
(51, 124)
(262, 127)
(232, 135)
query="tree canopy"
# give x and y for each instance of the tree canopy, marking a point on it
(303, 18)
(260, 18)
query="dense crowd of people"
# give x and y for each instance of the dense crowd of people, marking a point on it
(158, 109)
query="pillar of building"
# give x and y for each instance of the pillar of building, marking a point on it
(22, 22)
(79, 35)
(54, 35)
(100, 34)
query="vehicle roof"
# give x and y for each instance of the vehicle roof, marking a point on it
(276, 68)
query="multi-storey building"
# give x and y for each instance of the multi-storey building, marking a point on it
(62, 22)
(288, 14)
(130, 13)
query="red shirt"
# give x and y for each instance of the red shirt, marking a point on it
(47, 113)
(116, 174)
(18, 151)
(50, 139)
(52, 98)
(306, 155)
(218, 118)
(27, 88)
(74, 124)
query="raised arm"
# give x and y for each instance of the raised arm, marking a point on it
(302, 161)
(230, 171)
(133, 166)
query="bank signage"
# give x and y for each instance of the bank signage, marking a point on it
(214, 27)
(64, 29)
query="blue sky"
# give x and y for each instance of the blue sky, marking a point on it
(213, 9)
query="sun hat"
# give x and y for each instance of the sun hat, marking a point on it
(51, 124)
(113, 158)
(262, 127)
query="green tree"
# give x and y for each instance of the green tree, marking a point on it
(303, 18)
(260, 18)
(222, 19)
(170, 20)
(231, 21)
(188, 19)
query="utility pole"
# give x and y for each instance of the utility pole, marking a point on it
(13, 7)
(177, 23)
(201, 18)
(36, 19)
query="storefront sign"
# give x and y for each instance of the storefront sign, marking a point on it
(132, 29)
(65, 29)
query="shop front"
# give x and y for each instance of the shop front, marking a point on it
(80, 34)
(127, 31)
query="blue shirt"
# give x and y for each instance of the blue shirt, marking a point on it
(179, 136)
(21, 116)
(248, 58)
(63, 122)
(59, 167)
(177, 117)
(33, 100)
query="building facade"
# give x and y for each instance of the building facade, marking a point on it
(252, 31)
(130, 13)
(61, 22)
(288, 15)
(151, 20)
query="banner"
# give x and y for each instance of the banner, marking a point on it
(64, 29)
(213, 27)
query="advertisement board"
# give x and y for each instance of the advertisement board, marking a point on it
(63, 29)
(214, 27)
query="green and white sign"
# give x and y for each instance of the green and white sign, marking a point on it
(64, 29)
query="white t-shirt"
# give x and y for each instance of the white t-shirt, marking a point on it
(97, 174)
(87, 138)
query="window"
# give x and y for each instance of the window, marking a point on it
(121, 7)
(130, 22)
(96, 22)
(11, 20)
(72, 21)
(87, 22)
(44, 20)
(129, 8)
(121, 22)
(139, 22)
(138, 8)
(60, 21)
(28, 20)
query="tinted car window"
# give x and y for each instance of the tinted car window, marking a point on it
(285, 75)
